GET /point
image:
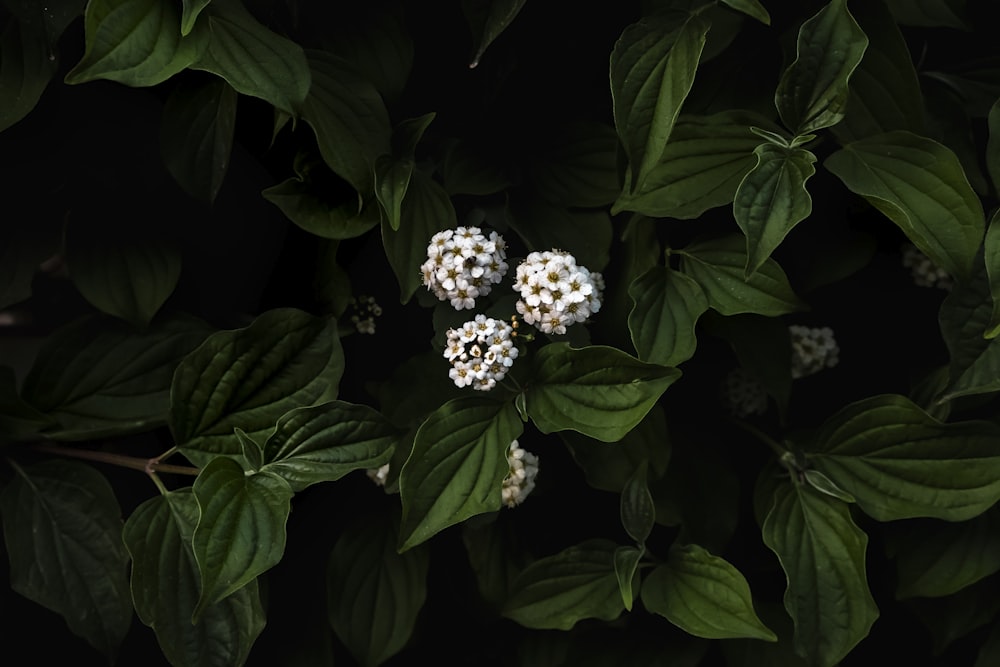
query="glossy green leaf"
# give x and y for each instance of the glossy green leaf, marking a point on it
(653, 66)
(772, 199)
(824, 484)
(491, 547)
(899, 462)
(704, 595)
(405, 407)
(158, 538)
(17, 418)
(62, 526)
(662, 323)
(637, 511)
(813, 90)
(136, 42)
(190, 11)
(919, 185)
(966, 321)
(98, 377)
(719, 265)
(544, 226)
(26, 66)
(928, 13)
(557, 591)
(196, 135)
(822, 552)
(349, 118)
(626, 564)
(597, 390)
(303, 203)
(701, 167)
(248, 378)
(426, 211)
(325, 442)
(252, 58)
(122, 271)
(457, 466)
(577, 166)
(374, 594)
(241, 527)
(379, 45)
(993, 145)
(991, 254)
(489, 18)
(392, 179)
(751, 8)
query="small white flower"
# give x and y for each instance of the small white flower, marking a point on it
(813, 349)
(463, 264)
(743, 394)
(481, 352)
(925, 273)
(555, 291)
(378, 475)
(520, 479)
(364, 310)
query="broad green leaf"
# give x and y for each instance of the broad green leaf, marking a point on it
(719, 267)
(824, 484)
(900, 463)
(597, 390)
(62, 526)
(491, 547)
(636, 507)
(407, 134)
(966, 319)
(772, 199)
(949, 122)
(392, 179)
(991, 253)
(577, 166)
(544, 226)
(252, 58)
(196, 135)
(303, 203)
(325, 442)
(662, 323)
(919, 185)
(241, 528)
(751, 8)
(822, 552)
(98, 377)
(653, 65)
(701, 167)
(935, 559)
(813, 92)
(122, 271)
(349, 118)
(190, 10)
(626, 563)
(158, 538)
(993, 145)
(703, 595)
(136, 42)
(26, 66)
(457, 466)
(951, 618)
(248, 378)
(557, 591)
(489, 18)
(426, 211)
(17, 418)
(252, 451)
(405, 407)
(928, 13)
(755, 653)
(374, 594)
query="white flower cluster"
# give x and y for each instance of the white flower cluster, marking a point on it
(481, 352)
(925, 273)
(521, 479)
(365, 310)
(463, 264)
(555, 292)
(378, 475)
(813, 349)
(744, 394)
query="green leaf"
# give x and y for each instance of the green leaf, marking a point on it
(303, 203)
(919, 185)
(405, 407)
(900, 463)
(966, 320)
(822, 552)
(349, 118)
(934, 559)
(813, 92)
(493, 558)
(751, 8)
(928, 13)
(26, 66)
(241, 527)
(120, 270)
(993, 145)
(772, 199)
(653, 65)
(22, 249)
(637, 511)
(426, 210)
(626, 564)
(190, 10)
(597, 390)
(250, 377)
(158, 538)
(662, 323)
(374, 594)
(196, 135)
(325, 442)
(719, 267)
(252, 58)
(557, 591)
(457, 466)
(577, 165)
(392, 179)
(953, 617)
(544, 226)
(703, 595)
(489, 18)
(62, 526)
(17, 418)
(98, 378)
(471, 170)
(991, 253)
(824, 484)
(701, 167)
(136, 42)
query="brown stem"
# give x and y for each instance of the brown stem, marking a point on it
(148, 466)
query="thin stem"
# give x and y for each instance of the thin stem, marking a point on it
(775, 446)
(148, 466)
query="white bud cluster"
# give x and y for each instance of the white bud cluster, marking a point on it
(744, 394)
(813, 349)
(925, 273)
(481, 352)
(463, 264)
(521, 479)
(555, 291)
(378, 475)
(364, 312)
